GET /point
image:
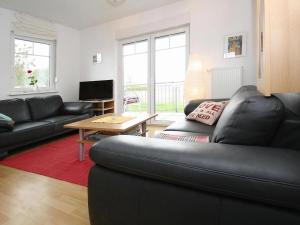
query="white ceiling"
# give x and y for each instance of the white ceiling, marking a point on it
(81, 13)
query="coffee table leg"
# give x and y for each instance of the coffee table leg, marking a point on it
(144, 129)
(81, 145)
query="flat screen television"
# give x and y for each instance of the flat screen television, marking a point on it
(96, 90)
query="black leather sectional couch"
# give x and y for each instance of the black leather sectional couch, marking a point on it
(248, 175)
(38, 118)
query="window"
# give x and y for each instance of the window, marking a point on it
(34, 64)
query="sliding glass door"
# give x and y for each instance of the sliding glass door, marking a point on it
(135, 76)
(170, 68)
(153, 73)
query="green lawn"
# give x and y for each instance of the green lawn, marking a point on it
(142, 107)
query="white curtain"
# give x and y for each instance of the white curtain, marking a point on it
(30, 26)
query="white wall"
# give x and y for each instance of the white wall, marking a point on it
(68, 59)
(210, 21)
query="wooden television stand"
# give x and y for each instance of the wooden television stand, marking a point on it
(101, 107)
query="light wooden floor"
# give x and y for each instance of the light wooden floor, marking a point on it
(30, 199)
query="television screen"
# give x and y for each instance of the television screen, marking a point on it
(96, 90)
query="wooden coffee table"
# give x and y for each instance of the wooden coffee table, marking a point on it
(89, 127)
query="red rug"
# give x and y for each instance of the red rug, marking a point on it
(57, 159)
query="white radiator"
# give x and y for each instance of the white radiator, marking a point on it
(226, 81)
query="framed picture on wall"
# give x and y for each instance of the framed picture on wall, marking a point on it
(235, 45)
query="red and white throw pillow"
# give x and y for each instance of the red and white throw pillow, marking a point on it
(207, 112)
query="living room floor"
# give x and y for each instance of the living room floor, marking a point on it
(31, 199)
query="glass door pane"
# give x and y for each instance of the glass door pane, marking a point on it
(135, 70)
(170, 68)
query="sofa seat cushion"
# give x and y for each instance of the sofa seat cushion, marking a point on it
(60, 121)
(185, 125)
(44, 107)
(26, 132)
(17, 109)
(262, 174)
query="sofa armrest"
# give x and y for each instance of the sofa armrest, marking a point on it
(77, 108)
(193, 104)
(262, 174)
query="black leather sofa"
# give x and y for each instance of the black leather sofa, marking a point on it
(248, 175)
(37, 119)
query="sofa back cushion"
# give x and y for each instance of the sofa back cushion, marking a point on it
(16, 109)
(246, 91)
(249, 119)
(288, 134)
(44, 107)
(291, 103)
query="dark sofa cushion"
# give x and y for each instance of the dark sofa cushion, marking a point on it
(6, 123)
(249, 119)
(26, 132)
(288, 134)
(61, 120)
(77, 108)
(16, 109)
(246, 91)
(291, 103)
(191, 126)
(43, 107)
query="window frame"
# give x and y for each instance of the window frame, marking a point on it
(52, 68)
